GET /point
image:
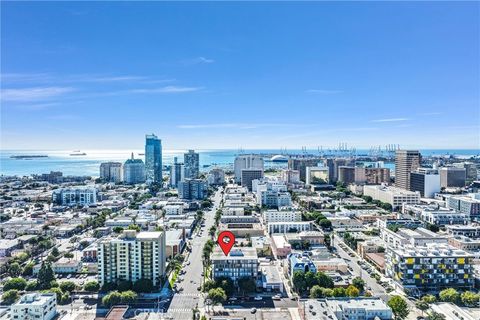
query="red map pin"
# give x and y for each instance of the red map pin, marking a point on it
(226, 240)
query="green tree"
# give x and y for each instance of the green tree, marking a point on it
(436, 316)
(226, 284)
(324, 280)
(209, 284)
(58, 292)
(68, 255)
(15, 284)
(352, 291)
(217, 296)
(143, 285)
(55, 252)
(31, 285)
(327, 292)
(299, 282)
(112, 298)
(45, 276)
(65, 298)
(399, 307)
(339, 292)
(10, 296)
(325, 224)
(67, 286)
(14, 269)
(28, 269)
(124, 285)
(316, 292)
(117, 229)
(135, 227)
(359, 283)
(449, 295)
(129, 297)
(92, 286)
(470, 298)
(247, 285)
(422, 306)
(429, 298)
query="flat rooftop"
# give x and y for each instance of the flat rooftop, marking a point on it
(235, 254)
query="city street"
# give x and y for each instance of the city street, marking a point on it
(376, 289)
(182, 303)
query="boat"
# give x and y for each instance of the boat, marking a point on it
(78, 153)
(141, 154)
(28, 156)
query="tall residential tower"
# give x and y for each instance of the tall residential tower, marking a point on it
(192, 164)
(153, 158)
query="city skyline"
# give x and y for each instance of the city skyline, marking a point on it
(199, 77)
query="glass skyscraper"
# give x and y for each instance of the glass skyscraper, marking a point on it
(153, 158)
(192, 164)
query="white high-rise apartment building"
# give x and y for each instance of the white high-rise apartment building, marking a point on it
(75, 196)
(246, 162)
(131, 257)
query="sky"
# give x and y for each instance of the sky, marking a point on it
(230, 75)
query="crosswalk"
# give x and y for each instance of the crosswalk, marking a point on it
(179, 310)
(196, 295)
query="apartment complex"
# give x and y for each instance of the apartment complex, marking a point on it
(74, 196)
(372, 175)
(35, 306)
(430, 268)
(192, 189)
(465, 204)
(191, 161)
(176, 173)
(406, 161)
(216, 177)
(111, 172)
(281, 216)
(131, 257)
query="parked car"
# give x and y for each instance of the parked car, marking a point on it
(258, 298)
(277, 297)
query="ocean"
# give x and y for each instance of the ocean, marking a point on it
(60, 160)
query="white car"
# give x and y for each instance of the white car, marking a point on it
(277, 297)
(258, 298)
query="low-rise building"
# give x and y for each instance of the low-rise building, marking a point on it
(464, 243)
(300, 262)
(271, 280)
(35, 306)
(239, 263)
(465, 204)
(392, 195)
(348, 308)
(281, 216)
(403, 236)
(470, 231)
(280, 246)
(74, 196)
(287, 227)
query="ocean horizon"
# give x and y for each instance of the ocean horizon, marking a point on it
(88, 165)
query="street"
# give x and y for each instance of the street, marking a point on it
(182, 303)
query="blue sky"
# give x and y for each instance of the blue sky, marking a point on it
(229, 75)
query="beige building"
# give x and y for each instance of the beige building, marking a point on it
(406, 161)
(131, 257)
